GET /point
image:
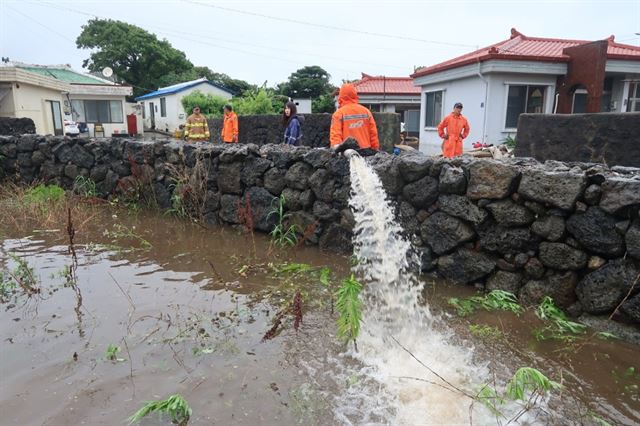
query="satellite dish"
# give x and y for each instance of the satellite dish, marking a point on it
(107, 72)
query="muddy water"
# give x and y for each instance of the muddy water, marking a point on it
(189, 307)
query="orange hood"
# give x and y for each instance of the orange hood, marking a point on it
(348, 95)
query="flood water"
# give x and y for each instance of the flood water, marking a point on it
(188, 307)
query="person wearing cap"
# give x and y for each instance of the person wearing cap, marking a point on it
(453, 129)
(196, 128)
(355, 121)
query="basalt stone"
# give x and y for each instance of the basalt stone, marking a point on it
(81, 157)
(318, 157)
(98, 173)
(596, 231)
(9, 150)
(461, 207)
(304, 221)
(428, 261)
(50, 170)
(421, 193)
(253, 170)
(559, 286)
(307, 198)
(347, 220)
(122, 168)
(505, 265)
(443, 233)
(336, 239)
(504, 240)
(452, 180)
(560, 189)
(27, 143)
(619, 192)
(465, 266)
(506, 281)
(622, 226)
(521, 259)
(386, 167)
(407, 216)
(28, 174)
(324, 211)
(24, 159)
(338, 165)
(234, 153)
(212, 202)
(491, 179)
(414, 166)
(632, 240)
(229, 208)
(535, 207)
(162, 196)
(292, 199)
(595, 262)
(551, 227)
(37, 158)
(172, 154)
(631, 308)
(109, 183)
(282, 157)
(298, 175)
(229, 178)
(71, 171)
(508, 213)
(602, 290)
(322, 185)
(261, 203)
(562, 257)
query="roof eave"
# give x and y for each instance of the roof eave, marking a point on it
(489, 57)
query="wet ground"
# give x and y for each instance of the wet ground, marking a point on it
(188, 308)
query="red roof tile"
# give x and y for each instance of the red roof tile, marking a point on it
(378, 85)
(521, 47)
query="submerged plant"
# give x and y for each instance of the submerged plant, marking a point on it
(175, 406)
(282, 235)
(349, 308)
(22, 276)
(485, 331)
(559, 327)
(112, 353)
(493, 301)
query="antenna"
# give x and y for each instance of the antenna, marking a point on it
(107, 72)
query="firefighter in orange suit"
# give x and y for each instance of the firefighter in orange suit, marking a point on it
(353, 120)
(229, 132)
(196, 128)
(457, 129)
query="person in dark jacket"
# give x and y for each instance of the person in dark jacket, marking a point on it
(292, 122)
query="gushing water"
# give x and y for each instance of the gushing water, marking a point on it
(408, 350)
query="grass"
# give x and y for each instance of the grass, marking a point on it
(175, 406)
(85, 186)
(282, 235)
(493, 301)
(558, 327)
(485, 332)
(349, 307)
(21, 277)
(112, 353)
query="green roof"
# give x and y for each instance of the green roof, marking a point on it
(66, 75)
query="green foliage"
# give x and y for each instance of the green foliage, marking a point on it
(560, 328)
(349, 309)
(175, 406)
(237, 87)
(21, 277)
(210, 105)
(495, 300)
(307, 82)
(259, 101)
(85, 186)
(135, 55)
(112, 353)
(325, 276)
(44, 194)
(282, 235)
(529, 380)
(122, 232)
(323, 103)
(510, 141)
(485, 331)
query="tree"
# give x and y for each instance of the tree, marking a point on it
(135, 55)
(210, 105)
(259, 101)
(308, 82)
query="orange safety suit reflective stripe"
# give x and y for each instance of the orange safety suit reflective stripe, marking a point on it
(353, 120)
(457, 129)
(229, 132)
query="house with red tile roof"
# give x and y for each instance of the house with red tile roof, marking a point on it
(392, 94)
(527, 75)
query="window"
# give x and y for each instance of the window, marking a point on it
(412, 121)
(163, 107)
(433, 109)
(579, 101)
(94, 111)
(521, 99)
(144, 113)
(634, 97)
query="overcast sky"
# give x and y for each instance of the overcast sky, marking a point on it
(260, 41)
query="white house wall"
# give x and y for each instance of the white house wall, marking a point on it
(31, 101)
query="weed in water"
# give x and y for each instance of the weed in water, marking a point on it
(123, 232)
(349, 308)
(486, 332)
(112, 353)
(282, 235)
(175, 406)
(85, 186)
(559, 327)
(22, 276)
(495, 300)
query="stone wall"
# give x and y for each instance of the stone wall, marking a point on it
(16, 126)
(569, 230)
(263, 129)
(608, 138)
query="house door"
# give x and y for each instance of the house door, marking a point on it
(152, 115)
(56, 112)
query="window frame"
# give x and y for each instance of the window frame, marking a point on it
(100, 113)
(436, 121)
(508, 85)
(163, 107)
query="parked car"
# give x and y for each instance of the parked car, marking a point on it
(71, 128)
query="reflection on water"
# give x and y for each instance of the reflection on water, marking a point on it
(189, 309)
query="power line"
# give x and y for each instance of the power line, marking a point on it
(330, 27)
(41, 24)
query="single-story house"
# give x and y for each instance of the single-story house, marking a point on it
(527, 75)
(392, 94)
(97, 102)
(162, 109)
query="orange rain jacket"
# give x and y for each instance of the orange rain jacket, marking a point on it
(229, 132)
(196, 128)
(457, 128)
(353, 120)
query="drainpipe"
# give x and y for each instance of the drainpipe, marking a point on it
(384, 92)
(555, 103)
(486, 95)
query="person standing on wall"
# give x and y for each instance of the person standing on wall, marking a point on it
(291, 121)
(353, 120)
(229, 132)
(196, 128)
(457, 128)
